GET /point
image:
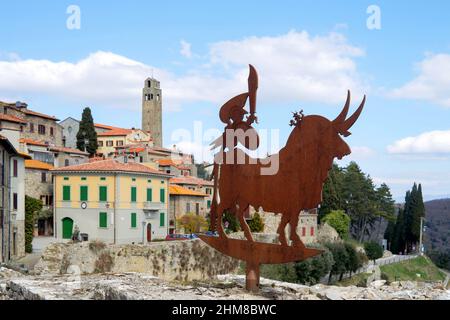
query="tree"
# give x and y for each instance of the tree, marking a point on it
(332, 196)
(340, 257)
(373, 250)
(339, 221)
(389, 233)
(32, 207)
(257, 223)
(87, 133)
(192, 223)
(201, 171)
(233, 223)
(354, 261)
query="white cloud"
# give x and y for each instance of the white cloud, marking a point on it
(293, 67)
(432, 142)
(361, 152)
(432, 82)
(185, 50)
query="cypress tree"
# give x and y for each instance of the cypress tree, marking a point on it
(87, 133)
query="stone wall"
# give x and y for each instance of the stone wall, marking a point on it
(306, 228)
(33, 185)
(176, 260)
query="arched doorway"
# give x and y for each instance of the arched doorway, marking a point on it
(149, 232)
(67, 227)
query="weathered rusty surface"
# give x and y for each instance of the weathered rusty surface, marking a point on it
(301, 166)
(258, 252)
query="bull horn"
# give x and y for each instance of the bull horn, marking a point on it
(341, 117)
(350, 121)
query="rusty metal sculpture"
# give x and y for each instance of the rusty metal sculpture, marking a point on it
(303, 166)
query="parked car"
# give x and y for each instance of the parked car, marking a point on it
(177, 236)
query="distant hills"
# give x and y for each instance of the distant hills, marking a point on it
(437, 225)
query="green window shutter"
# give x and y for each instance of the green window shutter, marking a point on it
(103, 192)
(162, 195)
(103, 220)
(133, 194)
(66, 193)
(83, 193)
(133, 220)
(161, 219)
(149, 194)
(208, 204)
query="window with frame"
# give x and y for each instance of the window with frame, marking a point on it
(15, 201)
(103, 220)
(133, 220)
(66, 193)
(149, 194)
(66, 162)
(43, 177)
(100, 143)
(312, 231)
(162, 219)
(303, 231)
(31, 127)
(51, 131)
(162, 195)
(15, 169)
(41, 129)
(208, 204)
(119, 143)
(133, 194)
(109, 143)
(84, 193)
(103, 193)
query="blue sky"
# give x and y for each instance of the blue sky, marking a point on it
(307, 53)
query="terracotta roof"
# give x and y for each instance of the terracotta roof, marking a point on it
(38, 114)
(180, 191)
(166, 162)
(11, 118)
(105, 126)
(191, 180)
(36, 164)
(68, 150)
(115, 132)
(32, 142)
(94, 159)
(111, 165)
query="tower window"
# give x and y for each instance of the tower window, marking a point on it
(149, 83)
(157, 97)
(151, 96)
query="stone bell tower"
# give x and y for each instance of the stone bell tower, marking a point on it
(152, 110)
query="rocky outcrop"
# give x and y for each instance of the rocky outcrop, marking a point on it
(176, 260)
(327, 233)
(138, 286)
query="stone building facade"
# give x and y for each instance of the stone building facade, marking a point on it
(38, 126)
(184, 201)
(152, 110)
(12, 205)
(306, 229)
(39, 185)
(70, 129)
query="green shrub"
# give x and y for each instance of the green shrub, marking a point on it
(257, 223)
(340, 221)
(340, 258)
(233, 223)
(32, 207)
(373, 250)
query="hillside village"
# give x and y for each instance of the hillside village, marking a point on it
(113, 210)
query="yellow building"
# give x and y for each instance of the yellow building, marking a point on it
(109, 140)
(111, 201)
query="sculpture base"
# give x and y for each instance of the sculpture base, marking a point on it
(257, 253)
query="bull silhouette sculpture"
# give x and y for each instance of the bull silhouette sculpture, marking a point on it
(303, 165)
